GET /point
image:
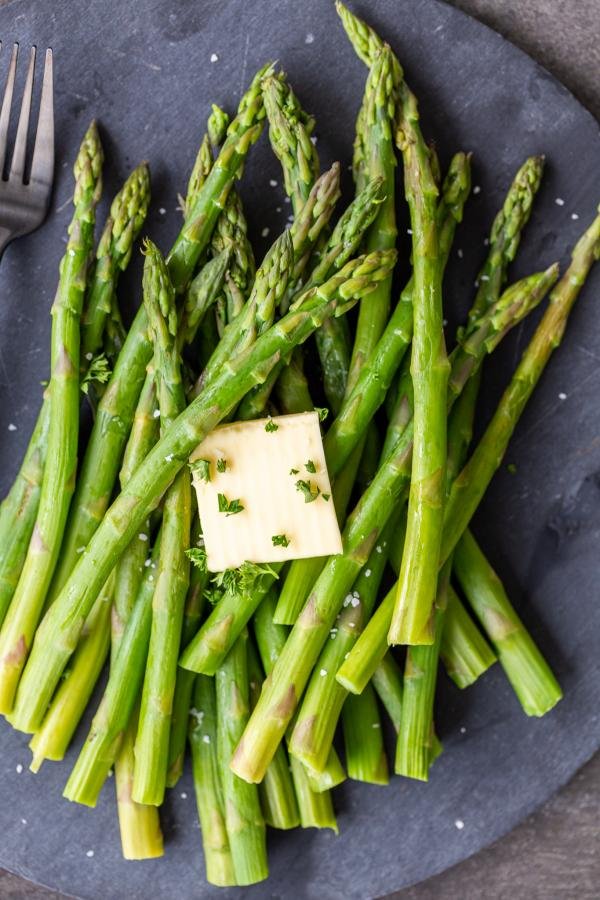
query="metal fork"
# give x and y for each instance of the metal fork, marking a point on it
(24, 204)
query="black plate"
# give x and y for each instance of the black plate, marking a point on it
(145, 71)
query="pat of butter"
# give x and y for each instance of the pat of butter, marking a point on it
(259, 464)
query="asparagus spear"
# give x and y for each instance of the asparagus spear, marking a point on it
(184, 687)
(243, 818)
(528, 672)
(152, 740)
(464, 651)
(365, 753)
(200, 220)
(324, 698)
(68, 705)
(277, 795)
(61, 457)
(372, 385)
(110, 725)
(429, 370)
(59, 631)
(470, 485)
(127, 215)
(290, 130)
(315, 807)
(280, 695)
(387, 681)
(413, 750)
(207, 784)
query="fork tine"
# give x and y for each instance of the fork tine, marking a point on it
(17, 168)
(6, 104)
(42, 165)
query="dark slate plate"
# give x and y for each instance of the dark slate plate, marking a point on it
(145, 71)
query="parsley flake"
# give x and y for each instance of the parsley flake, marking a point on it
(197, 555)
(322, 412)
(221, 465)
(294, 471)
(229, 507)
(201, 468)
(271, 426)
(325, 496)
(311, 492)
(280, 540)
(310, 466)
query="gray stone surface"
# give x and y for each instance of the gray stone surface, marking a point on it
(552, 855)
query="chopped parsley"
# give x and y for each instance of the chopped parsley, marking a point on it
(325, 496)
(294, 471)
(197, 555)
(201, 468)
(311, 492)
(280, 540)
(221, 465)
(229, 507)
(322, 412)
(271, 426)
(310, 466)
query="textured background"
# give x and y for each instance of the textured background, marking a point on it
(554, 853)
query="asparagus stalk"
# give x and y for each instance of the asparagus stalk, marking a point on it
(110, 725)
(365, 753)
(288, 680)
(315, 807)
(469, 487)
(152, 740)
(184, 687)
(372, 385)
(387, 681)
(325, 697)
(59, 631)
(207, 784)
(243, 818)
(277, 796)
(464, 651)
(528, 672)
(290, 130)
(200, 220)
(68, 704)
(413, 750)
(429, 369)
(61, 457)
(127, 215)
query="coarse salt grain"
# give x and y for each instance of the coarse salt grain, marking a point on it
(484, 278)
(183, 795)
(272, 182)
(574, 216)
(375, 725)
(156, 413)
(12, 427)
(169, 457)
(309, 38)
(89, 854)
(562, 396)
(206, 738)
(323, 673)
(459, 253)
(24, 821)
(162, 210)
(459, 824)
(378, 548)
(80, 550)
(142, 536)
(347, 599)
(409, 231)
(463, 730)
(19, 768)
(214, 58)
(476, 189)
(264, 232)
(355, 602)
(367, 573)
(89, 356)
(559, 201)
(313, 139)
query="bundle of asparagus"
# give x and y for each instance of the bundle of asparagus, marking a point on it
(256, 666)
